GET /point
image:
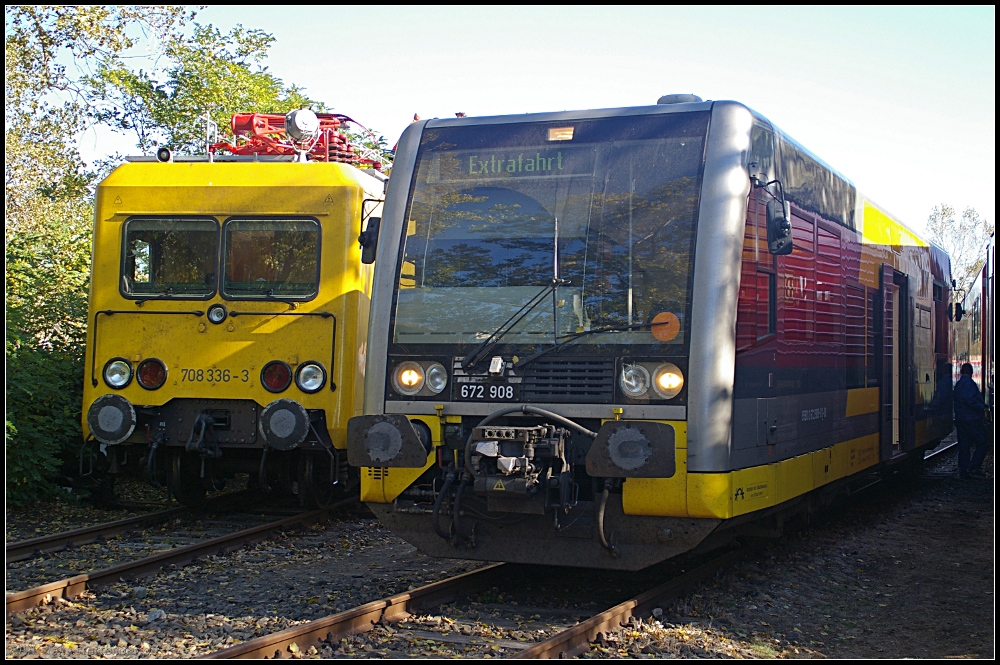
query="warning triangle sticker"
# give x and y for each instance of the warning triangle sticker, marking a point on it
(499, 486)
(118, 200)
(328, 199)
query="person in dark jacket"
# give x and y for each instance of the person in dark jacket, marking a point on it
(970, 410)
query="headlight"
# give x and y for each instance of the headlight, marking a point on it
(118, 373)
(634, 380)
(310, 377)
(408, 378)
(276, 376)
(152, 373)
(668, 380)
(437, 378)
(217, 313)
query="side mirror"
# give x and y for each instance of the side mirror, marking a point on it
(779, 228)
(959, 311)
(369, 240)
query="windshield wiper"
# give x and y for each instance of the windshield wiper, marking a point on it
(163, 294)
(262, 294)
(569, 339)
(270, 296)
(490, 342)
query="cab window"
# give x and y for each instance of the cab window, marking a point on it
(271, 258)
(166, 258)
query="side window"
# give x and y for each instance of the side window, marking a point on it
(140, 260)
(976, 321)
(762, 152)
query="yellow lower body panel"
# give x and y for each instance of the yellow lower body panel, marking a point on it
(726, 495)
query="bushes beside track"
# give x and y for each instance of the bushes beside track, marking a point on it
(47, 274)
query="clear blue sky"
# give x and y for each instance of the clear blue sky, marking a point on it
(900, 100)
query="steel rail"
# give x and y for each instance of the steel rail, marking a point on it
(576, 640)
(567, 643)
(362, 618)
(73, 586)
(932, 454)
(26, 549)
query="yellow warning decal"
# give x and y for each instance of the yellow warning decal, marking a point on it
(499, 486)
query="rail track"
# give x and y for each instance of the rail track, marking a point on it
(32, 547)
(944, 448)
(559, 634)
(73, 586)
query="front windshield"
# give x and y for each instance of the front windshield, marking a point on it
(498, 212)
(170, 257)
(271, 258)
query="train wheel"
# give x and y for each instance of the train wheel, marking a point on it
(315, 489)
(185, 480)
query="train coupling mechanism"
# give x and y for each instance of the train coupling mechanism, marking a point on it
(202, 439)
(521, 469)
(389, 440)
(632, 449)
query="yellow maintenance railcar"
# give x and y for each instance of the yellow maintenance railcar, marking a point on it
(227, 321)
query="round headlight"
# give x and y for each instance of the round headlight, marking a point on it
(408, 378)
(668, 380)
(634, 380)
(217, 313)
(437, 377)
(151, 373)
(276, 376)
(118, 373)
(310, 377)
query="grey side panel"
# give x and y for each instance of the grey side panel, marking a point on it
(385, 265)
(716, 287)
(801, 424)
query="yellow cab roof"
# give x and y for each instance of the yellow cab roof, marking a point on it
(227, 187)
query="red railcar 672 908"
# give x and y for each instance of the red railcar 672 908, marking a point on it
(604, 338)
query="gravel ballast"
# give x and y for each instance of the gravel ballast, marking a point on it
(907, 572)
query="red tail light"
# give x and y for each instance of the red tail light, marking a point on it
(152, 373)
(276, 376)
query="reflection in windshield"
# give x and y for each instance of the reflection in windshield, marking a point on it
(170, 257)
(613, 215)
(271, 258)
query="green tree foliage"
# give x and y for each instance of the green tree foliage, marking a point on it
(47, 192)
(46, 302)
(964, 238)
(371, 145)
(66, 70)
(208, 72)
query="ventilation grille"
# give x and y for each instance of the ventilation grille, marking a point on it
(569, 380)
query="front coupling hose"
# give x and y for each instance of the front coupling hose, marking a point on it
(456, 512)
(601, 505)
(449, 480)
(151, 463)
